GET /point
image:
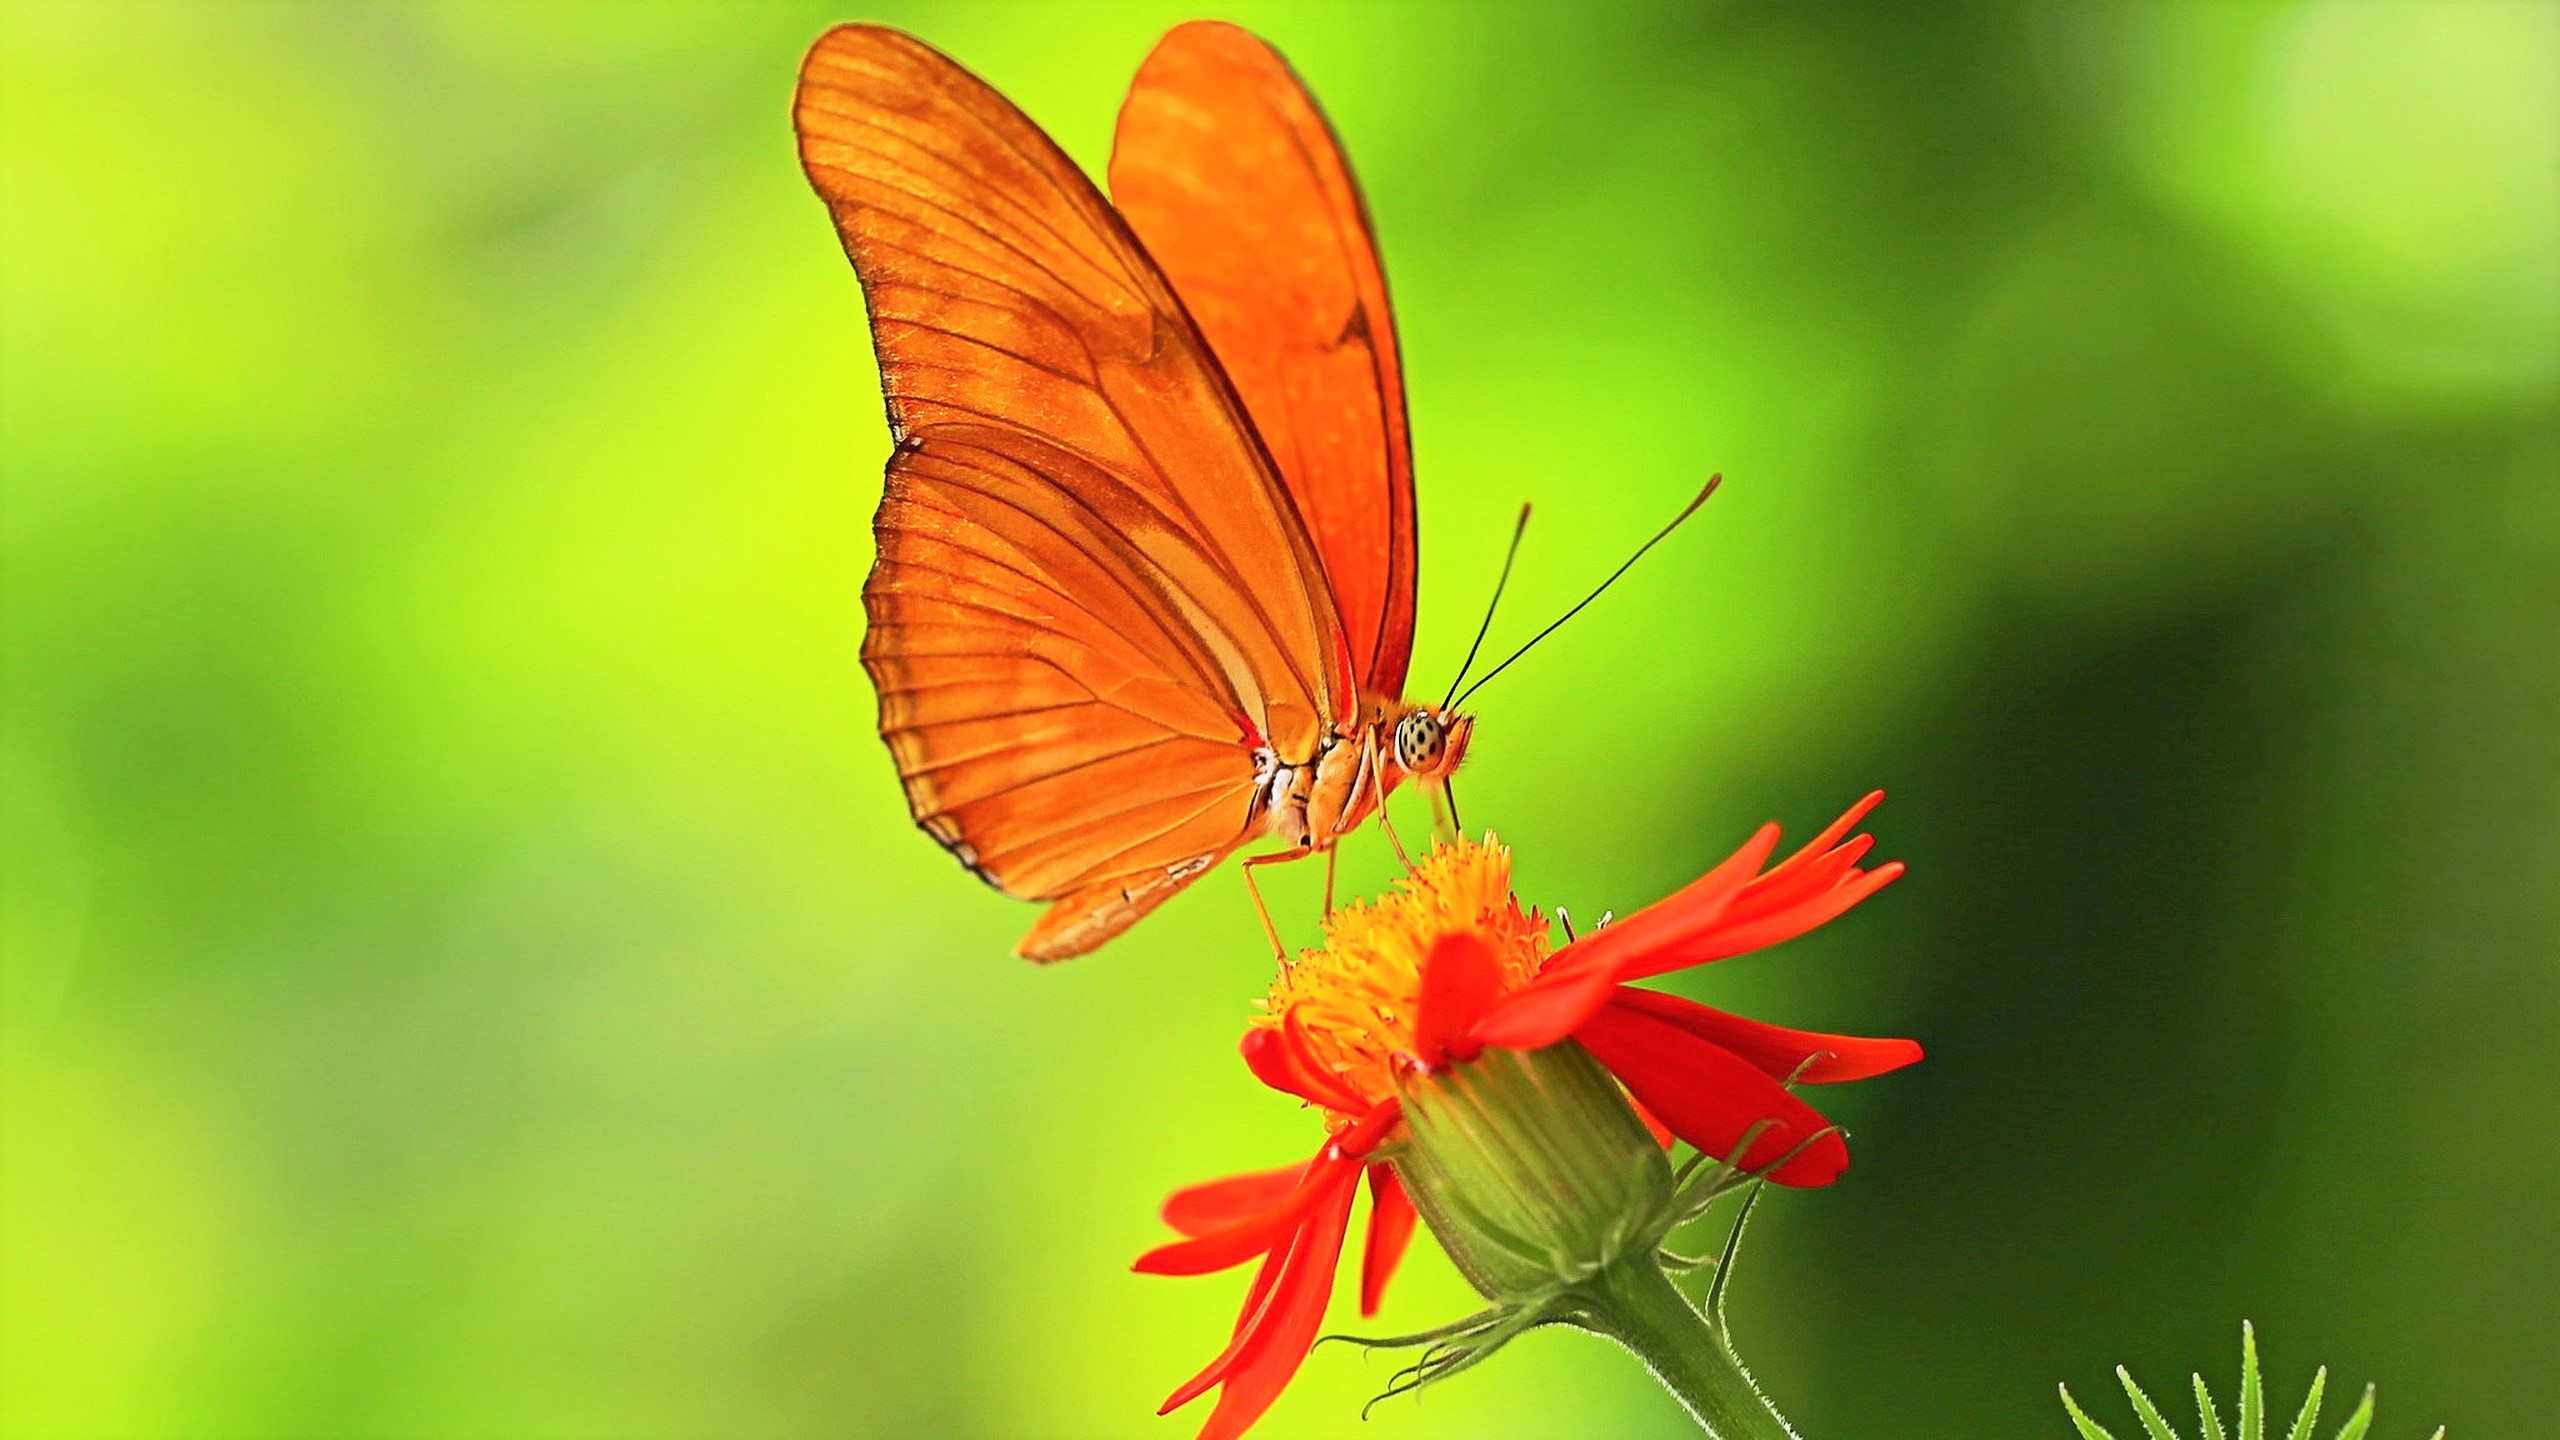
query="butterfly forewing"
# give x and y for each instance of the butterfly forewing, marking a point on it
(1226, 169)
(1093, 599)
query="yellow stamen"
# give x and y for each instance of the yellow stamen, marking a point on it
(1354, 1000)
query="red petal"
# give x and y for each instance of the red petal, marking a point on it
(1817, 867)
(1265, 1275)
(1371, 1130)
(1662, 1135)
(1461, 980)
(1294, 1316)
(1548, 1008)
(1235, 1243)
(1198, 1209)
(1273, 1341)
(1689, 909)
(1796, 882)
(1250, 1321)
(1832, 832)
(1777, 1051)
(1711, 1097)
(1391, 1217)
(1725, 941)
(1577, 979)
(1278, 1058)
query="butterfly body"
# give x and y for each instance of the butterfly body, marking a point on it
(1312, 805)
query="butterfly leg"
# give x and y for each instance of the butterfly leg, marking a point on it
(1444, 812)
(1270, 931)
(1394, 839)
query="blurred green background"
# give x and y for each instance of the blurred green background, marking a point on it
(469, 971)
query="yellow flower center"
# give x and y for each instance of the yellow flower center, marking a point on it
(1354, 1000)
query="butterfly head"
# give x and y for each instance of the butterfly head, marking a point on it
(1429, 743)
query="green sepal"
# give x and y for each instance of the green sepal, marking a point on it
(1459, 1346)
(1440, 1362)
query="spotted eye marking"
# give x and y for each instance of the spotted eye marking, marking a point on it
(1420, 739)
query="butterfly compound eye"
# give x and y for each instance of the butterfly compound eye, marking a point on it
(1420, 741)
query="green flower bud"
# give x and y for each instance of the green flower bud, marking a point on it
(1532, 1169)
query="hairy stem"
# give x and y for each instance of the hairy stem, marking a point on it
(1635, 1304)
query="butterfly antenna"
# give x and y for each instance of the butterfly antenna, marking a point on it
(1517, 530)
(1658, 536)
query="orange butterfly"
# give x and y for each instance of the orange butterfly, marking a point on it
(1145, 583)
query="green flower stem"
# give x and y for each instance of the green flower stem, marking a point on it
(1635, 1304)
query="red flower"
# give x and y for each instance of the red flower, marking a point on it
(1428, 979)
